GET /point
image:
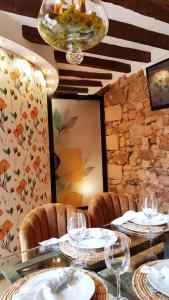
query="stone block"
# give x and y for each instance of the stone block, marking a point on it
(122, 142)
(133, 159)
(113, 113)
(112, 142)
(145, 164)
(138, 105)
(114, 171)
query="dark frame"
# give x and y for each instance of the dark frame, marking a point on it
(148, 73)
(51, 144)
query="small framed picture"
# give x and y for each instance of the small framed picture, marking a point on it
(158, 84)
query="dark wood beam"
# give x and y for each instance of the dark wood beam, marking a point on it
(31, 34)
(121, 52)
(158, 9)
(137, 34)
(81, 74)
(21, 7)
(116, 29)
(73, 82)
(97, 63)
(104, 90)
(73, 90)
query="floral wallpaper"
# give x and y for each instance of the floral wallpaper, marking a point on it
(24, 151)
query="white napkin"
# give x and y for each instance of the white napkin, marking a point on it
(94, 233)
(129, 215)
(47, 290)
(162, 273)
(53, 241)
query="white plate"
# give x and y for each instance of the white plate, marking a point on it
(161, 284)
(95, 238)
(158, 219)
(81, 286)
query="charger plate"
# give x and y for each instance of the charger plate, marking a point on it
(144, 229)
(101, 291)
(90, 256)
(142, 288)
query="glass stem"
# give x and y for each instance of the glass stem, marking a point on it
(149, 226)
(118, 287)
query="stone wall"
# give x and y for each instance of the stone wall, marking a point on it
(137, 141)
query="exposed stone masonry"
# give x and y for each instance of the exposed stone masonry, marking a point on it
(137, 141)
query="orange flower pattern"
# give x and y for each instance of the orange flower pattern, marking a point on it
(18, 133)
(4, 178)
(23, 119)
(3, 117)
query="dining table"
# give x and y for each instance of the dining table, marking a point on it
(143, 248)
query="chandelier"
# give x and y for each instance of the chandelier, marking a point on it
(72, 26)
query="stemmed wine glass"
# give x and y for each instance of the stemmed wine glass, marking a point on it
(76, 227)
(117, 258)
(149, 208)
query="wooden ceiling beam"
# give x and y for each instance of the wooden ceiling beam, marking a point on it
(97, 63)
(126, 53)
(158, 9)
(104, 90)
(73, 82)
(137, 34)
(72, 90)
(116, 29)
(31, 34)
(21, 7)
(82, 74)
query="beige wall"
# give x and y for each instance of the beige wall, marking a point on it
(24, 153)
(137, 141)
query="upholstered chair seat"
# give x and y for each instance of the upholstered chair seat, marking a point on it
(106, 207)
(44, 222)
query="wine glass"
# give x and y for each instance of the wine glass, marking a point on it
(76, 228)
(117, 258)
(149, 208)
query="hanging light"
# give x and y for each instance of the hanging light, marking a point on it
(72, 26)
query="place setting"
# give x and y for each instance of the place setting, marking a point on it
(147, 221)
(80, 244)
(85, 246)
(58, 284)
(150, 281)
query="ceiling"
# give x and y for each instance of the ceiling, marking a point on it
(137, 37)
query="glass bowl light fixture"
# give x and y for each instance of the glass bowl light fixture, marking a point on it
(72, 26)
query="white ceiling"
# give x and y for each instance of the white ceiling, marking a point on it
(118, 13)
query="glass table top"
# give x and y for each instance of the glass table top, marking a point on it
(142, 249)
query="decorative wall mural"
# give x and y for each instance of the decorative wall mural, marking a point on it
(24, 153)
(78, 153)
(158, 83)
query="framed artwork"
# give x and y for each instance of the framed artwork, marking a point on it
(77, 147)
(158, 84)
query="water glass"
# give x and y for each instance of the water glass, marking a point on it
(149, 208)
(117, 258)
(76, 227)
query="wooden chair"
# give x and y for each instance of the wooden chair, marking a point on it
(44, 222)
(106, 207)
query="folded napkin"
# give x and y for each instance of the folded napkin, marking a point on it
(46, 290)
(129, 215)
(53, 241)
(162, 273)
(94, 233)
